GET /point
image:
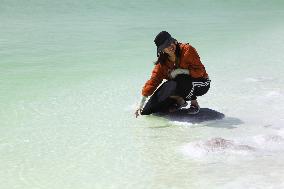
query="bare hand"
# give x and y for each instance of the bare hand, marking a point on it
(138, 112)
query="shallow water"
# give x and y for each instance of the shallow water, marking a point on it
(72, 72)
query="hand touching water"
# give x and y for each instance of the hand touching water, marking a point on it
(140, 107)
(138, 112)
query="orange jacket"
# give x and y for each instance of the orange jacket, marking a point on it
(189, 59)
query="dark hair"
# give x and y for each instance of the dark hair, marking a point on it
(163, 57)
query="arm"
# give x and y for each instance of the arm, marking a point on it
(196, 68)
(178, 71)
(149, 87)
(155, 80)
(140, 106)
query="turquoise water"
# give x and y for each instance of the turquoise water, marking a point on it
(72, 73)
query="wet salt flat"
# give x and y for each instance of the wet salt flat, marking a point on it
(72, 73)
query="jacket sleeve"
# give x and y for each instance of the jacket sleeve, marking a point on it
(196, 68)
(155, 80)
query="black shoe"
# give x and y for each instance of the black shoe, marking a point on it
(193, 109)
(176, 107)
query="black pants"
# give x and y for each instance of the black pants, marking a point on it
(183, 86)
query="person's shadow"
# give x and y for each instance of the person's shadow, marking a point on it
(204, 115)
